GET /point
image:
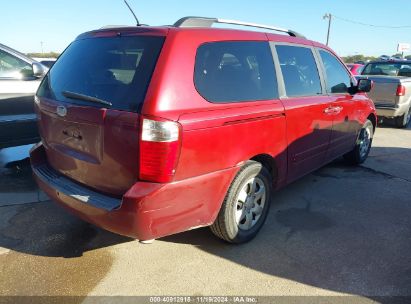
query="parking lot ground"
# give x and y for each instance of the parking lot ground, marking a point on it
(16, 183)
(340, 231)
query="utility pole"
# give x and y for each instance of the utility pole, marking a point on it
(41, 44)
(329, 17)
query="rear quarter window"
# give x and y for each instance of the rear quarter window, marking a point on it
(235, 71)
(387, 69)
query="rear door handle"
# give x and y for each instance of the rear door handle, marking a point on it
(333, 110)
(338, 109)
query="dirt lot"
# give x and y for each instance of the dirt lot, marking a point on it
(339, 231)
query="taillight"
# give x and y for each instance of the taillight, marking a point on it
(400, 90)
(159, 149)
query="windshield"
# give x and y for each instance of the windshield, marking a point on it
(115, 69)
(388, 69)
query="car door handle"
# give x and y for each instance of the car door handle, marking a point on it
(329, 110)
(338, 109)
(333, 110)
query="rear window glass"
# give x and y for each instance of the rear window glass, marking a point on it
(235, 71)
(116, 69)
(388, 69)
(300, 73)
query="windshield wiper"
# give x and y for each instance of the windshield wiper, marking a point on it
(73, 95)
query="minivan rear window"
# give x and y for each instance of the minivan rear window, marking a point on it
(387, 69)
(117, 70)
(234, 71)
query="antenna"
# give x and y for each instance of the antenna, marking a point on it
(135, 17)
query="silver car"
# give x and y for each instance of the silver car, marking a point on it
(391, 91)
(20, 77)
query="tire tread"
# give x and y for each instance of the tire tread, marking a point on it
(353, 157)
(219, 227)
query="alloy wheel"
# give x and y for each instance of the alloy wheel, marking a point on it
(249, 203)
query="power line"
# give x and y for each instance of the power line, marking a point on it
(372, 25)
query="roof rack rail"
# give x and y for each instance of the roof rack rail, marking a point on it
(192, 21)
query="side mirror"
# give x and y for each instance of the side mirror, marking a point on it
(39, 70)
(364, 85)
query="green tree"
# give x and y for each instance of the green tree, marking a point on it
(354, 58)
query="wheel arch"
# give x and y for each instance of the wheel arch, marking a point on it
(373, 119)
(269, 163)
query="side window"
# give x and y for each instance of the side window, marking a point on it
(299, 69)
(337, 77)
(235, 71)
(13, 67)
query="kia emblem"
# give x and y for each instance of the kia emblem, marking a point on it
(61, 111)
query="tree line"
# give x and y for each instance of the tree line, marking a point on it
(44, 55)
(354, 58)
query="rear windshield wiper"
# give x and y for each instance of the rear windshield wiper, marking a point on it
(73, 95)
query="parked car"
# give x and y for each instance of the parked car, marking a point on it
(48, 62)
(391, 92)
(385, 57)
(355, 68)
(397, 57)
(160, 130)
(20, 77)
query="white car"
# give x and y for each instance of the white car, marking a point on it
(20, 77)
(47, 61)
(384, 57)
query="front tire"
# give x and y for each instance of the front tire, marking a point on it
(245, 206)
(363, 145)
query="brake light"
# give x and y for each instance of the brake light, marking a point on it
(400, 90)
(159, 149)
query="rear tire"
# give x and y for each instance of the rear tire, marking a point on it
(363, 145)
(403, 121)
(245, 206)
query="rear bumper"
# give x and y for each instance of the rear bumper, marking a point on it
(391, 110)
(147, 210)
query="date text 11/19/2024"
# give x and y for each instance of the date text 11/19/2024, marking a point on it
(203, 299)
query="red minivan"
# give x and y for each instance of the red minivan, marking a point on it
(151, 131)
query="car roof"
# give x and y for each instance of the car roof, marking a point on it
(17, 53)
(203, 24)
(164, 30)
